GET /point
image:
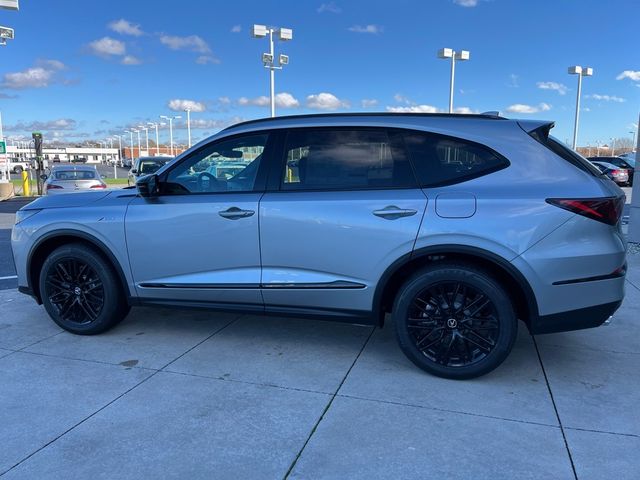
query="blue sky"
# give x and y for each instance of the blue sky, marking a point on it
(86, 70)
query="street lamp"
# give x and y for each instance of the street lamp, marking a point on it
(156, 125)
(462, 55)
(146, 131)
(188, 110)
(171, 119)
(613, 147)
(581, 72)
(268, 59)
(130, 132)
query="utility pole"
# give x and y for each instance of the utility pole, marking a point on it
(37, 142)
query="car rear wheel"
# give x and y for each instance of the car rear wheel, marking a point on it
(454, 321)
(80, 290)
(17, 170)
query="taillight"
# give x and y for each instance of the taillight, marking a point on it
(607, 210)
(615, 172)
(101, 185)
(51, 186)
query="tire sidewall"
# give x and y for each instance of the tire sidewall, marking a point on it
(111, 311)
(506, 318)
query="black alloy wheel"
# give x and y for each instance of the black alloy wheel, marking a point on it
(81, 291)
(454, 321)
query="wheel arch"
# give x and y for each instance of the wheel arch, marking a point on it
(509, 276)
(57, 238)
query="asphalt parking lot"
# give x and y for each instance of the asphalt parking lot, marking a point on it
(185, 394)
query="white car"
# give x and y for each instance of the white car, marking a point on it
(18, 166)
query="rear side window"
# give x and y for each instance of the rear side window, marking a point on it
(440, 160)
(344, 159)
(557, 147)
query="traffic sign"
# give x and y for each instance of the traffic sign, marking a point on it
(3, 146)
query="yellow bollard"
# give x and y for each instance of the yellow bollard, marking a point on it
(26, 188)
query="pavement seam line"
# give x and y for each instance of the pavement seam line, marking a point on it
(444, 410)
(632, 284)
(153, 374)
(604, 432)
(326, 408)
(555, 407)
(100, 362)
(39, 341)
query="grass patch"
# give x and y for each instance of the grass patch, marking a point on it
(115, 181)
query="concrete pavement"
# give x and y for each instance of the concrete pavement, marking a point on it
(183, 394)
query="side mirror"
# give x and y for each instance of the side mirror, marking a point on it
(147, 186)
(43, 177)
(134, 171)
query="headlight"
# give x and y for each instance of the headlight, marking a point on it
(22, 215)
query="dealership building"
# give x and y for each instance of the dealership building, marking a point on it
(92, 154)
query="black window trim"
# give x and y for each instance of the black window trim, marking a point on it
(276, 174)
(260, 185)
(464, 178)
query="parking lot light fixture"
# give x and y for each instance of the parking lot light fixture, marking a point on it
(581, 72)
(188, 110)
(130, 132)
(146, 131)
(268, 59)
(156, 125)
(170, 119)
(462, 56)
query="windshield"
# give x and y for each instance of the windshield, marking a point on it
(74, 175)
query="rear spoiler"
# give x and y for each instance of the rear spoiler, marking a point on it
(538, 129)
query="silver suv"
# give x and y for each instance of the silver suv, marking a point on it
(454, 225)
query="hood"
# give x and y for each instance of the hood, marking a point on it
(78, 199)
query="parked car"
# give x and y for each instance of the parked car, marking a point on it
(450, 227)
(79, 160)
(627, 164)
(70, 179)
(617, 174)
(145, 166)
(18, 166)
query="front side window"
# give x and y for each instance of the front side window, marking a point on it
(328, 159)
(440, 160)
(225, 166)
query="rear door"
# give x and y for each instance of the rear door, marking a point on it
(346, 206)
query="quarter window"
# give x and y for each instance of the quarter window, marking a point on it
(225, 166)
(339, 159)
(440, 160)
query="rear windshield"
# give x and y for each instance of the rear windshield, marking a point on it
(74, 175)
(150, 166)
(560, 149)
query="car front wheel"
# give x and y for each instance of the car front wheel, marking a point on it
(80, 290)
(454, 321)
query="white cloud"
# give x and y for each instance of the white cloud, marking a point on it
(632, 74)
(329, 7)
(606, 98)
(107, 46)
(528, 109)
(131, 60)
(413, 109)
(179, 104)
(224, 100)
(283, 100)
(558, 87)
(368, 102)
(375, 29)
(40, 76)
(325, 101)
(192, 43)
(466, 3)
(398, 97)
(464, 110)
(125, 27)
(205, 59)
(50, 125)
(513, 81)
(236, 29)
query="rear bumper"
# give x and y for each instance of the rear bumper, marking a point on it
(588, 317)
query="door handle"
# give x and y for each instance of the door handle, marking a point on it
(392, 212)
(235, 213)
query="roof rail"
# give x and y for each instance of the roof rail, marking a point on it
(486, 115)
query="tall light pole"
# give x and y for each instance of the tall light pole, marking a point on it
(613, 147)
(581, 72)
(633, 138)
(156, 125)
(268, 59)
(188, 110)
(146, 131)
(171, 119)
(130, 132)
(135, 130)
(462, 55)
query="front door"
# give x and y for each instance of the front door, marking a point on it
(198, 241)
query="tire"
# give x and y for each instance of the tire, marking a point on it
(17, 170)
(81, 291)
(454, 321)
